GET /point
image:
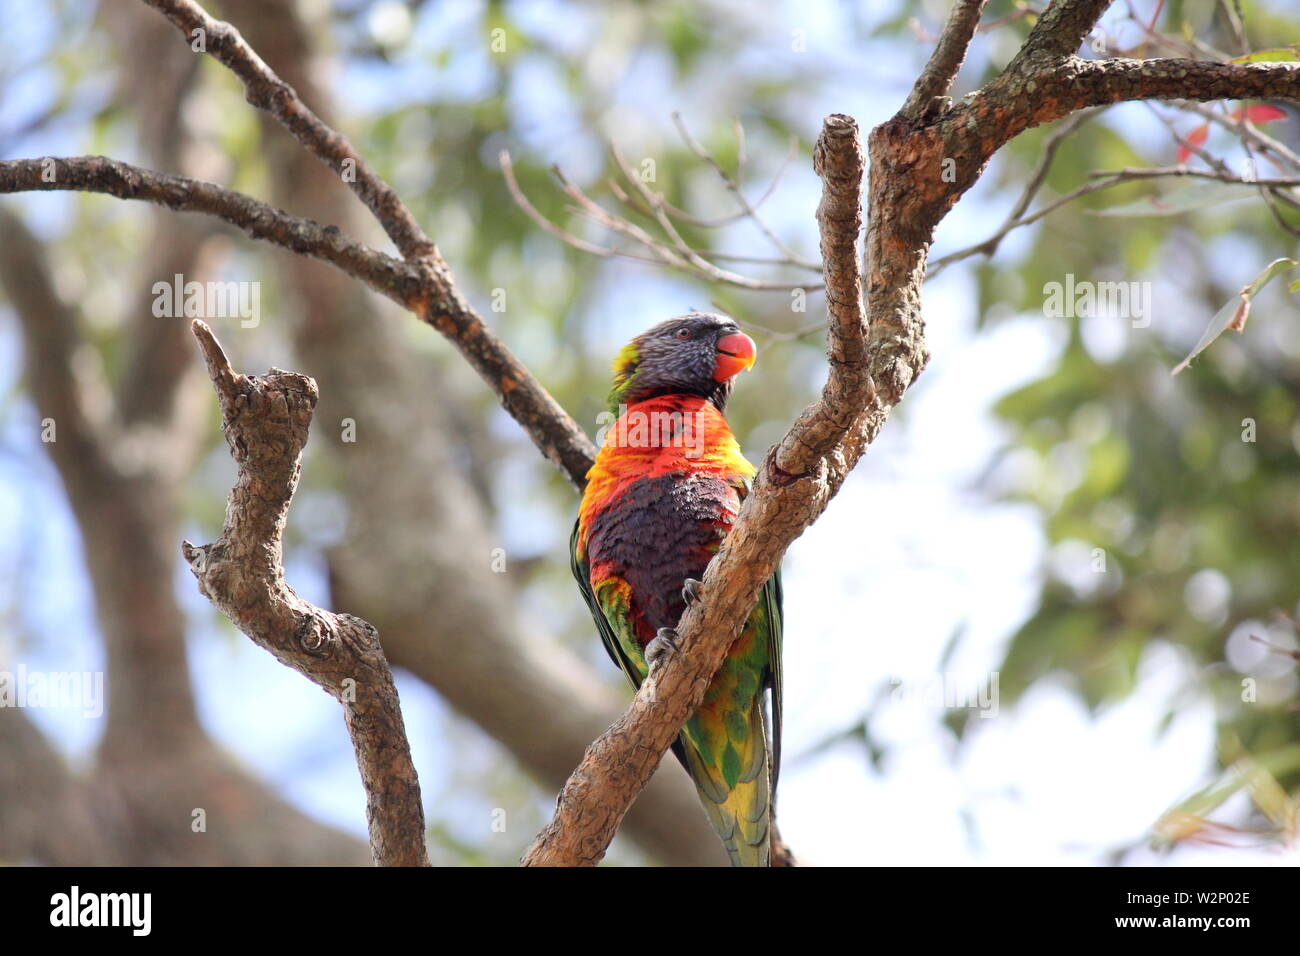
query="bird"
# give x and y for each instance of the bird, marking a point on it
(666, 486)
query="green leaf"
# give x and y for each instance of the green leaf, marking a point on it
(1256, 775)
(1233, 315)
(1286, 54)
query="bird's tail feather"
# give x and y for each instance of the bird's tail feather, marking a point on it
(741, 813)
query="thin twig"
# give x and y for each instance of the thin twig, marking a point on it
(678, 256)
(1156, 172)
(751, 211)
(1246, 131)
(1015, 218)
(943, 262)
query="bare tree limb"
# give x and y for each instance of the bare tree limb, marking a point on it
(945, 62)
(268, 92)
(391, 277)
(841, 164)
(435, 299)
(1059, 32)
(1215, 81)
(423, 288)
(1075, 83)
(265, 420)
(1111, 81)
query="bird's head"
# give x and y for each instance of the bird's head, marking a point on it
(696, 354)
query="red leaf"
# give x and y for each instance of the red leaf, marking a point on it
(1192, 140)
(1259, 114)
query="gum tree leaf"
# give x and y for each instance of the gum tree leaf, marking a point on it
(1233, 315)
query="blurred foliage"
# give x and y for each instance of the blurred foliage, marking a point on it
(1172, 505)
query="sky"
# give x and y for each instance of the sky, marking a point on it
(911, 551)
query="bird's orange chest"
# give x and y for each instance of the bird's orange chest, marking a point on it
(669, 435)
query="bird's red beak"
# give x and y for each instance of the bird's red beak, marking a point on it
(736, 353)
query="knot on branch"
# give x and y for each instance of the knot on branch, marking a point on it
(317, 636)
(777, 475)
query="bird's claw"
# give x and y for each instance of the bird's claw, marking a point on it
(657, 651)
(691, 591)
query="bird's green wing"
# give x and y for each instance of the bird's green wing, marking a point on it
(582, 571)
(771, 600)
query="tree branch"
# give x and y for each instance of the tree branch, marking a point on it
(1018, 100)
(265, 420)
(1059, 32)
(945, 62)
(436, 300)
(268, 92)
(398, 280)
(424, 288)
(1096, 82)
(839, 160)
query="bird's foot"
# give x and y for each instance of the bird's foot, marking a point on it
(691, 591)
(658, 650)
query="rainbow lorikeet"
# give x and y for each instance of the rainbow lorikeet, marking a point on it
(663, 493)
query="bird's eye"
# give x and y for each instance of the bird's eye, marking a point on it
(683, 333)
